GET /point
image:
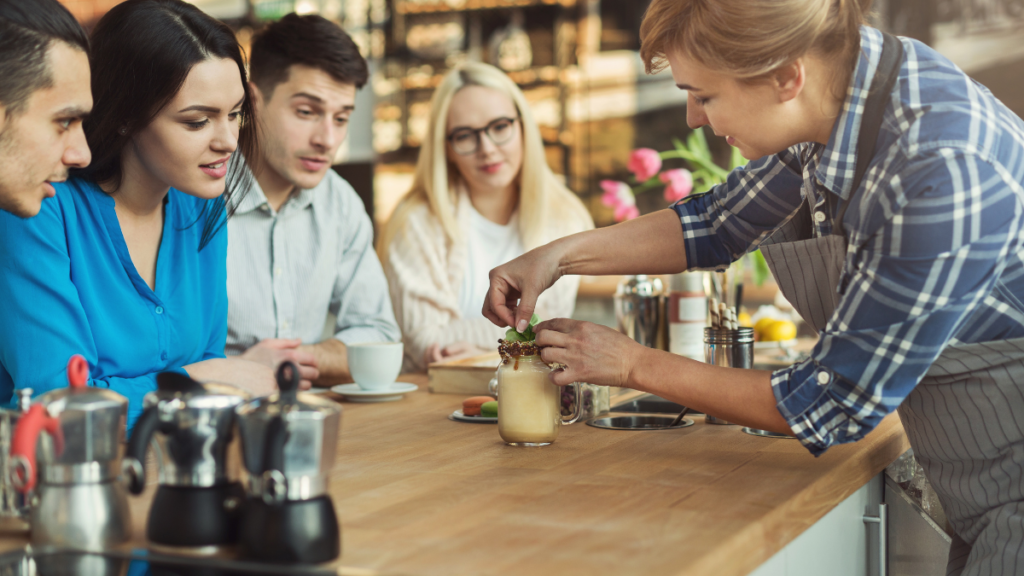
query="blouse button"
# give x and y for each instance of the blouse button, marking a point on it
(159, 310)
(163, 356)
(823, 376)
(819, 216)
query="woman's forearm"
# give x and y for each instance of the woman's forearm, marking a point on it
(739, 396)
(251, 376)
(650, 244)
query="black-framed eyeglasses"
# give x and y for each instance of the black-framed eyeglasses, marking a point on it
(467, 140)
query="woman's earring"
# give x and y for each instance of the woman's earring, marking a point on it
(122, 130)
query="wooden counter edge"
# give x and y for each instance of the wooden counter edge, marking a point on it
(751, 546)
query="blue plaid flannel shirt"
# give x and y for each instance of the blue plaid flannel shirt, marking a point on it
(936, 251)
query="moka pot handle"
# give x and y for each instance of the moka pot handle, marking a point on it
(135, 453)
(23, 445)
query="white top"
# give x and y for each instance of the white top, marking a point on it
(425, 269)
(489, 246)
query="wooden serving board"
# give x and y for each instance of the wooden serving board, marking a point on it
(467, 376)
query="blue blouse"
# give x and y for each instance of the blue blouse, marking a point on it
(68, 286)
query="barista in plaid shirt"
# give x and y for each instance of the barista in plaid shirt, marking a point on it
(935, 256)
(918, 296)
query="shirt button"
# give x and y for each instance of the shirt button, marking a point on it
(284, 324)
(163, 356)
(823, 377)
(819, 216)
(159, 310)
(278, 271)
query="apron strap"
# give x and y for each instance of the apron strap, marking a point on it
(871, 121)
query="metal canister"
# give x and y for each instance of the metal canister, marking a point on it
(639, 309)
(729, 349)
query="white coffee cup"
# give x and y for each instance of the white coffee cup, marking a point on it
(375, 365)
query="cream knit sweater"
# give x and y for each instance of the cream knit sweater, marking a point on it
(424, 270)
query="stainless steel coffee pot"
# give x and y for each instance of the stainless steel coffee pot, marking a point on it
(639, 309)
(191, 426)
(80, 502)
(289, 441)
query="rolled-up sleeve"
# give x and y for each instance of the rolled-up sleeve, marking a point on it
(731, 219)
(916, 283)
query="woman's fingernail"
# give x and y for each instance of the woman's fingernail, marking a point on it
(521, 326)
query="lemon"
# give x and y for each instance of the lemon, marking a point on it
(779, 330)
(744, 319)
(763, 324)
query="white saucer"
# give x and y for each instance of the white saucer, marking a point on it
(460, 417)
(356, 394)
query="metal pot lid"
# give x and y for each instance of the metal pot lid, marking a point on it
(640, 285)
(193, 394)
(79, 396)
(303, 406)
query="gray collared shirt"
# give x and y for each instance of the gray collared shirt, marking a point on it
(290, 270)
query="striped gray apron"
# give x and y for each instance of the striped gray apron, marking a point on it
(965, 419)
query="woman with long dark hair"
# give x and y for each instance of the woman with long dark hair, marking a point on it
(126, 264)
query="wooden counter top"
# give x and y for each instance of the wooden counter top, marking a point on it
(419, 494)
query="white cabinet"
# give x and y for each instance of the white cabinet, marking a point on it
(837, 545)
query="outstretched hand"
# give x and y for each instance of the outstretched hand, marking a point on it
(591, 353)
(516, 285)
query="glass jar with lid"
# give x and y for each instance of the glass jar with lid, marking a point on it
(529, 406)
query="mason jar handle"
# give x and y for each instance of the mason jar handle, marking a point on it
(578, 405)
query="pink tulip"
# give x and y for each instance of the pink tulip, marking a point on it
(678, 184)
(644, 163)
(626, 213)
(619, 196)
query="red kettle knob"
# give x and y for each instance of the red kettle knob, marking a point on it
(78, 371)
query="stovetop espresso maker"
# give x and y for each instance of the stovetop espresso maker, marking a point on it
(191, 426)
(289, 441)
(79, 503)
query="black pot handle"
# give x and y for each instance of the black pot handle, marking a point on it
(288, 379)
(277, 429)
(178, 383)
(135, 453)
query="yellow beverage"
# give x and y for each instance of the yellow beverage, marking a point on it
(528, 403)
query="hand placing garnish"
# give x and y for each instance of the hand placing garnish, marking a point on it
(511, 335)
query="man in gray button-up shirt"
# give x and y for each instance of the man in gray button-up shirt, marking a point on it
(300, 244)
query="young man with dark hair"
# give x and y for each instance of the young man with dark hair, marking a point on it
(300, 245)
(45, 94)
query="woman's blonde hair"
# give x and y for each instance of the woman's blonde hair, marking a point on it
(749, 39)
(541, 195)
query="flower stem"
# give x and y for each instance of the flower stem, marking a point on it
(711, 167)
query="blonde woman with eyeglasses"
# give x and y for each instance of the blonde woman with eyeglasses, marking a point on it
(482, 195)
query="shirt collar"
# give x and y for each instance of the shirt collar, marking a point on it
(839, 158)
(257, 198)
